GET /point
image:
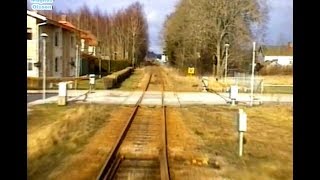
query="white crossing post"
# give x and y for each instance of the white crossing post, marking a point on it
(62, 98)
(242, 127)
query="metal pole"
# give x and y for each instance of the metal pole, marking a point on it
(109, 68)
(240, 143)
(252, 72)
(77, 67)
(226, 65)
(44, 70)
(100, 67)
(77, 61)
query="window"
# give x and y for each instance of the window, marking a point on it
(72, 41)
(29, 34)
(56, 64)
(56, 39)
(29, 65)
(71, 62)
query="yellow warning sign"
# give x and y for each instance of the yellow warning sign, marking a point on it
(190, 70)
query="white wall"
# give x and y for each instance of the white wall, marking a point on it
(282, 60)
(163, 58)
(92, 50)
(82, 45)
(32, 47)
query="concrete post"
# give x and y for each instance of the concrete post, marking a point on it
(62, 98)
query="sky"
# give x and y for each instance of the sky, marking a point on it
(279, 29)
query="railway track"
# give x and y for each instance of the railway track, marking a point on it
(139, 153)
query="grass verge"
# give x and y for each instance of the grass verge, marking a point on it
(54, 133)
(268, 150)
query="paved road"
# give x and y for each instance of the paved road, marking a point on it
(36, 96)
(171, 98)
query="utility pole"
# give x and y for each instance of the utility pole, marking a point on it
(226, 64)
(44, 36)
(77, 67)
(77, 61)
(100, 67)
(252, 72)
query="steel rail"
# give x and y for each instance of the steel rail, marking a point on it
(164, 165)
(111, 164)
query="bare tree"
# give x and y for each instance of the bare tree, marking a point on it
(120, 35)
(197, 25)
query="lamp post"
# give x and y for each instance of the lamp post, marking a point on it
(76, 73)
(100, 67)
(226, 64)
(252, 72)
(77, 62)
(44, 36)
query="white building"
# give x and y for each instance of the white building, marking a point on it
(34, 20)
(163, 59)
(281, 60)
(277, 55)
(60, 46)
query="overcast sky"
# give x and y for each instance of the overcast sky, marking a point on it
(279, 28)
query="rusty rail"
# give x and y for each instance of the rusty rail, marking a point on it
(113, 161)
(164, 165)
(111, 164)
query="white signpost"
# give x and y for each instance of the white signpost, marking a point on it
(91, 81)
(242, 127)
(62, 98)
(205, 83)
(233, 94)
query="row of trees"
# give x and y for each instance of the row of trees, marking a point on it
(196, 33)
(122, 35)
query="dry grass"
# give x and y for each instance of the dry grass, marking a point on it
(268, 151)
(54, 133)
(134, 81)
(72, 142)
(180, 83)
(84, 84)
(278, 80)
(276, 70)
(177, 82)
(193, 83)
(87, 163)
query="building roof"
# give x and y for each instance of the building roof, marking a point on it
(63, 24)
(84, 34)
(89, 37)
(276, 50)
(36, 15)
(68, 24)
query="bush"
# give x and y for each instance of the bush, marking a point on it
(276, 70)
(111, 81)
